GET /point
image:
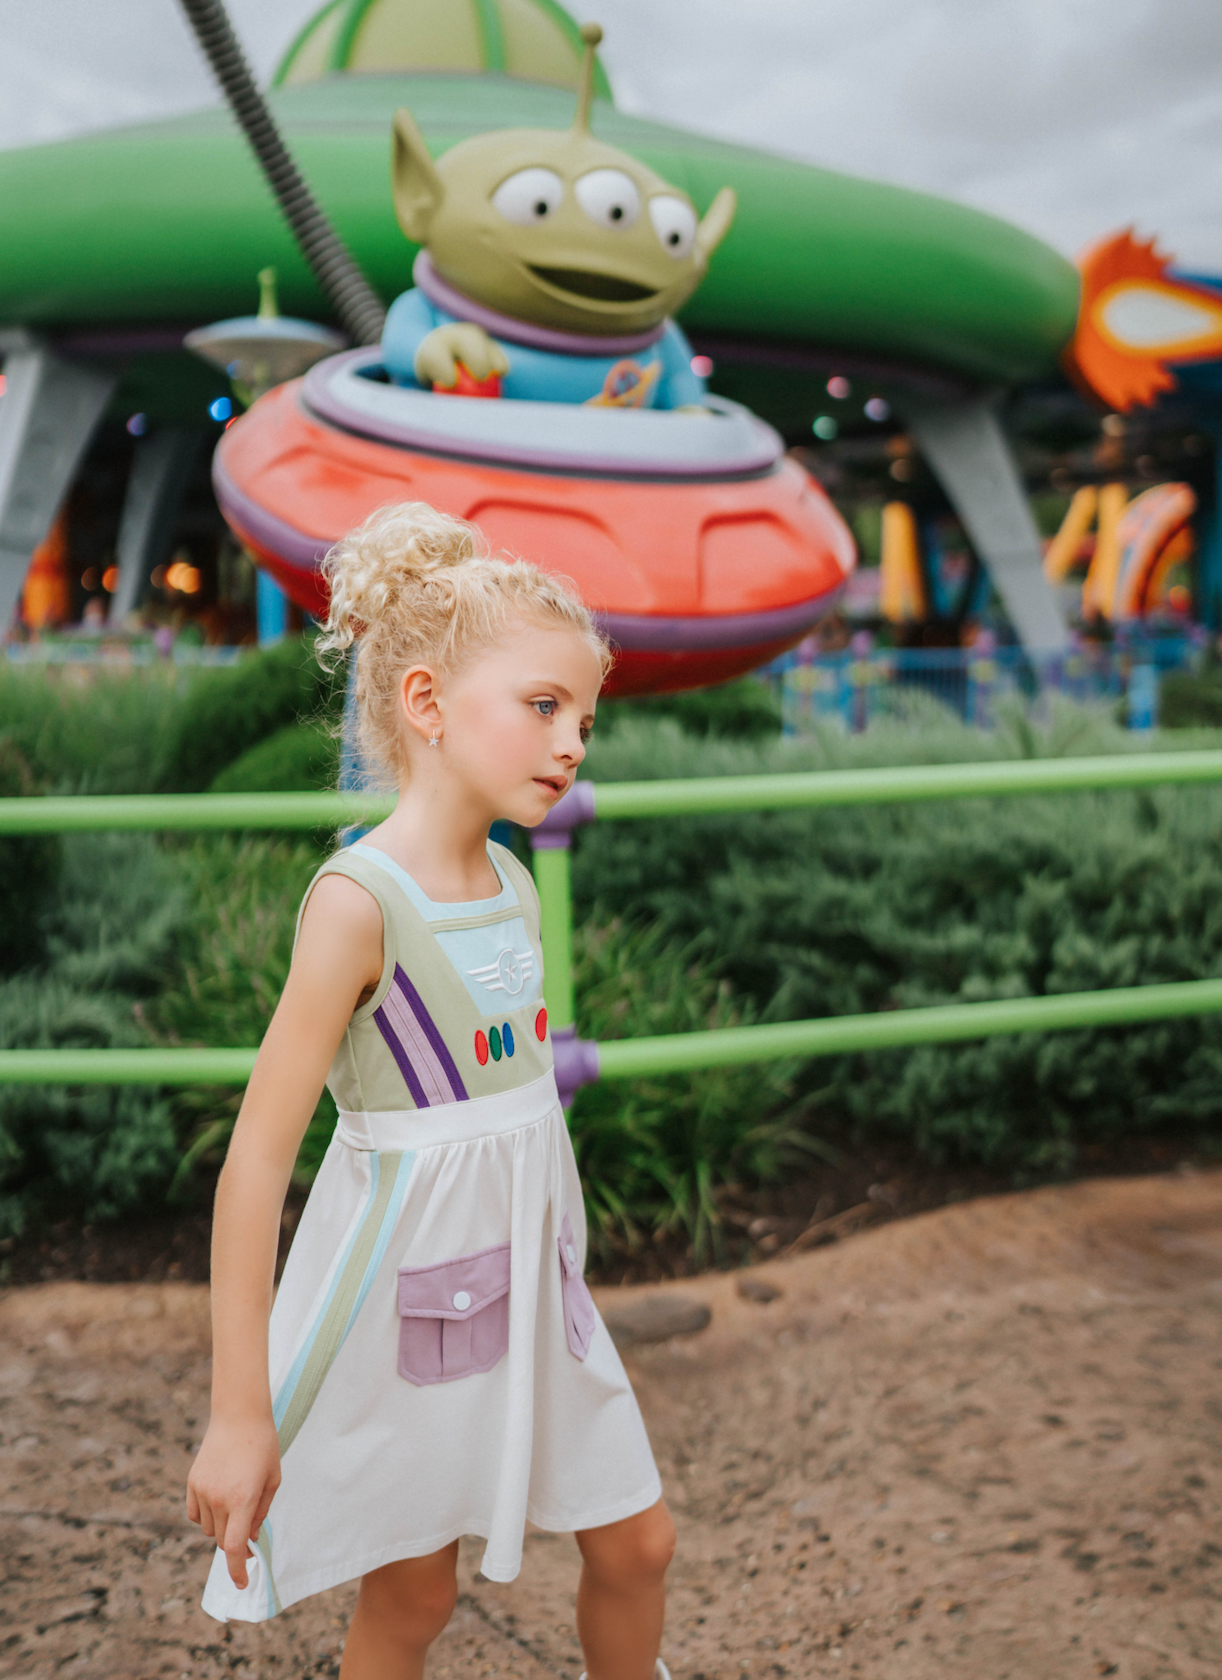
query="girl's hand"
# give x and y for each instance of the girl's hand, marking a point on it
(231, 1486)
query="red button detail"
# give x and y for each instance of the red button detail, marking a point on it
(481, 1048)
(541, 1025)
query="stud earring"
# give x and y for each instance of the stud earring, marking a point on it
(434, 739)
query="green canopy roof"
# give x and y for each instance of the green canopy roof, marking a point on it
(536, 40)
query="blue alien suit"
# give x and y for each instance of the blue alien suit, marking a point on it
(644, 370)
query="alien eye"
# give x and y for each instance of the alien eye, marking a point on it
(532, 195)
(609, 197)
(674, 222)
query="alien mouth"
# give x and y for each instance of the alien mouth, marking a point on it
(604, 288)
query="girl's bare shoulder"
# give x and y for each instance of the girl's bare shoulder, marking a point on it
(338, 902)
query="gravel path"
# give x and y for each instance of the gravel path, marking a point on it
(981, 1444)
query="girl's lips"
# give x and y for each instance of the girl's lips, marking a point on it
(554, 786)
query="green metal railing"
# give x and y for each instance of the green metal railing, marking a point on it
(628, 800)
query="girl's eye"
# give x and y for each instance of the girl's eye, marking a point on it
(585, 733)
(546, 708)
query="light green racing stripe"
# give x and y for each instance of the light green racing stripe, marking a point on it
(334, 1326)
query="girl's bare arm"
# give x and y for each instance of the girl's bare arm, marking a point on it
(337, 963)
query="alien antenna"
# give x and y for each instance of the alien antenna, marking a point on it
(591, 34)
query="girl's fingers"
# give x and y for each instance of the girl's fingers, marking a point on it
(207, 1516)
(234, 1542)
(193, 1513)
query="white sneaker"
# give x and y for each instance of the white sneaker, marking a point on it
(661, 1672)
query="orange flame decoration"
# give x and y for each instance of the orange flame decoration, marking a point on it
(1134, 318)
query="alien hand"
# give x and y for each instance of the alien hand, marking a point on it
(441, 350)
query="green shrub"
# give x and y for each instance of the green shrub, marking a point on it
(84, 729)
(299, 758)
(161, 727)
(227, 712)
(233, 960)
(109, 942)
(653, 1151)
(29, 867)
(746, 709)
(848, 911)
(1191, 699)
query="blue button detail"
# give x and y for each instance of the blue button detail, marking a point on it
(507, 1038)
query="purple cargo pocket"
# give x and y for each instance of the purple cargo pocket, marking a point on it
(579, 1314)
(454, 1316)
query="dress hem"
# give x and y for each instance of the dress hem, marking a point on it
(324, 1580)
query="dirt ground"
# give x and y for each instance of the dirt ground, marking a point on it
(980, 1444)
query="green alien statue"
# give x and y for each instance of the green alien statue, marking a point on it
(549, 267)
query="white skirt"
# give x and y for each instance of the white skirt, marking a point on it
(437, 1366)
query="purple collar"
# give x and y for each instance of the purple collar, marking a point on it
(456, 303)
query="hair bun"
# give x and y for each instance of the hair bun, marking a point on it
(397, 548)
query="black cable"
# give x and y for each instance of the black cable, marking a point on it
(359, 308)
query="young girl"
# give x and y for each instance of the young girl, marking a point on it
(436, 1364)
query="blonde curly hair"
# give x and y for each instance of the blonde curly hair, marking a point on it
(419, 587)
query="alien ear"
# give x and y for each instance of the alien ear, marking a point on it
(715, 223)
(415, 183)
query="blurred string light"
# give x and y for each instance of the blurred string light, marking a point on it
(702, 367)
(825, 427)
(878, 409)
(183, 577)
(137, 424)
(3, 383)
(839, 387)
(110, 579)
(221, 408)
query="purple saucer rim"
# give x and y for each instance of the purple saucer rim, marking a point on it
(319, 398)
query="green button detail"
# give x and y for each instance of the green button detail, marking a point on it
(494, 1043)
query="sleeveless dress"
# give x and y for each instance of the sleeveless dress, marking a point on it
(437, 1364)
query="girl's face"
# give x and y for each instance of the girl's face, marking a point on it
(514, 721)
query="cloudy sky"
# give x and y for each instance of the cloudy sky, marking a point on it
(1069, 117)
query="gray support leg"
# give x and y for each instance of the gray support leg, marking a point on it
(47, 417)
(966, 447)
(161, 466)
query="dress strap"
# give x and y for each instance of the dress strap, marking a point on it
(523, 881)
(429, 908)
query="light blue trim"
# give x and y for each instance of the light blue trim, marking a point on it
(263, 1545)
(428, 907)
(389, 1218)
(289, 1386)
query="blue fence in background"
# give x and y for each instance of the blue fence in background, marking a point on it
(863, 684)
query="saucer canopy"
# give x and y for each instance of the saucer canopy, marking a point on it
(534, 39)
(122, 241)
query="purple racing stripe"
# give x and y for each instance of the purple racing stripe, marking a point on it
(435, 1039)
(398, 1050)
(418, 1048)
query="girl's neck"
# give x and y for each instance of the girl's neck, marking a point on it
(444, 851)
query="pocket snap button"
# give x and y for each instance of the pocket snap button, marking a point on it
(461, 1301)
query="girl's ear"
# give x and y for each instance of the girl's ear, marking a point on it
(419, 693)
